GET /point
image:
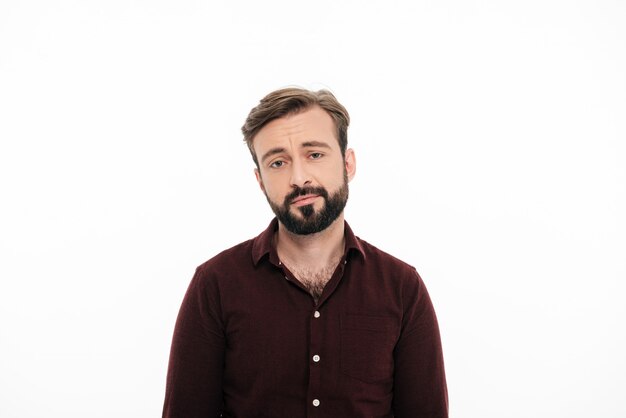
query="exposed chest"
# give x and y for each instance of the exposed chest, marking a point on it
(314, 278)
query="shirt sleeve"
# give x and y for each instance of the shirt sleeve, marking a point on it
(194, 377)
(420, 389)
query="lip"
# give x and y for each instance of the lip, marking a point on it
(307, 199)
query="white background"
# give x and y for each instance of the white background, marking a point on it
(490, 138)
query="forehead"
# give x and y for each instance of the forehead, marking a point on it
(313, 124)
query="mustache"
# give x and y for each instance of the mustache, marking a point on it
(301, 191)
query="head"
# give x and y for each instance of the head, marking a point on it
(298, 141)
(290, 101)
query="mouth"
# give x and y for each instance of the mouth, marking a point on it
(307, 199)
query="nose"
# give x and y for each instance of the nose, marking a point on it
(300, 177)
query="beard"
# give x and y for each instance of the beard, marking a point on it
(310, 221)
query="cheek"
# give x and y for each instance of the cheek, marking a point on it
(274, 190)
(335, 179)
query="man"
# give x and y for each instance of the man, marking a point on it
(305, 320)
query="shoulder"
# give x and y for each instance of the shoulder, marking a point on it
(230, 262)
(385, 265)
(389, 271)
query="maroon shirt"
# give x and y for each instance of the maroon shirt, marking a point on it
(251, 342)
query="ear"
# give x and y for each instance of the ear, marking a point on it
(350, 161)
(259, 179)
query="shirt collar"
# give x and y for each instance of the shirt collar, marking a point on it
(262, 244)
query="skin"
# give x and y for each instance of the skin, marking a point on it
(296, 151)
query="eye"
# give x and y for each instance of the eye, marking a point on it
(277, 164)
(316, 155)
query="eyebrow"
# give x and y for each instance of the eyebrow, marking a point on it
(315, 144)
(307, 144)
(271, 152)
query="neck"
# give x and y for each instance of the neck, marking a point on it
(313, 249)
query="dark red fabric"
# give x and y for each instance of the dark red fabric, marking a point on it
(249, 343)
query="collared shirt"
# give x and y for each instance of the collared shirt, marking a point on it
(251, 342)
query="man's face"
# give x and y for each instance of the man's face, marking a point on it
(302, 172)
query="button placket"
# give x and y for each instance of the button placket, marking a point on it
(315, 347)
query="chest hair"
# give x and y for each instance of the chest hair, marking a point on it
(314, 279)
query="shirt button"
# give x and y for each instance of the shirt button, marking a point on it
(316, 314)
(316, 358)
(316, 402)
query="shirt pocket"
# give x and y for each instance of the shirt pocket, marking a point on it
(367, 344)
